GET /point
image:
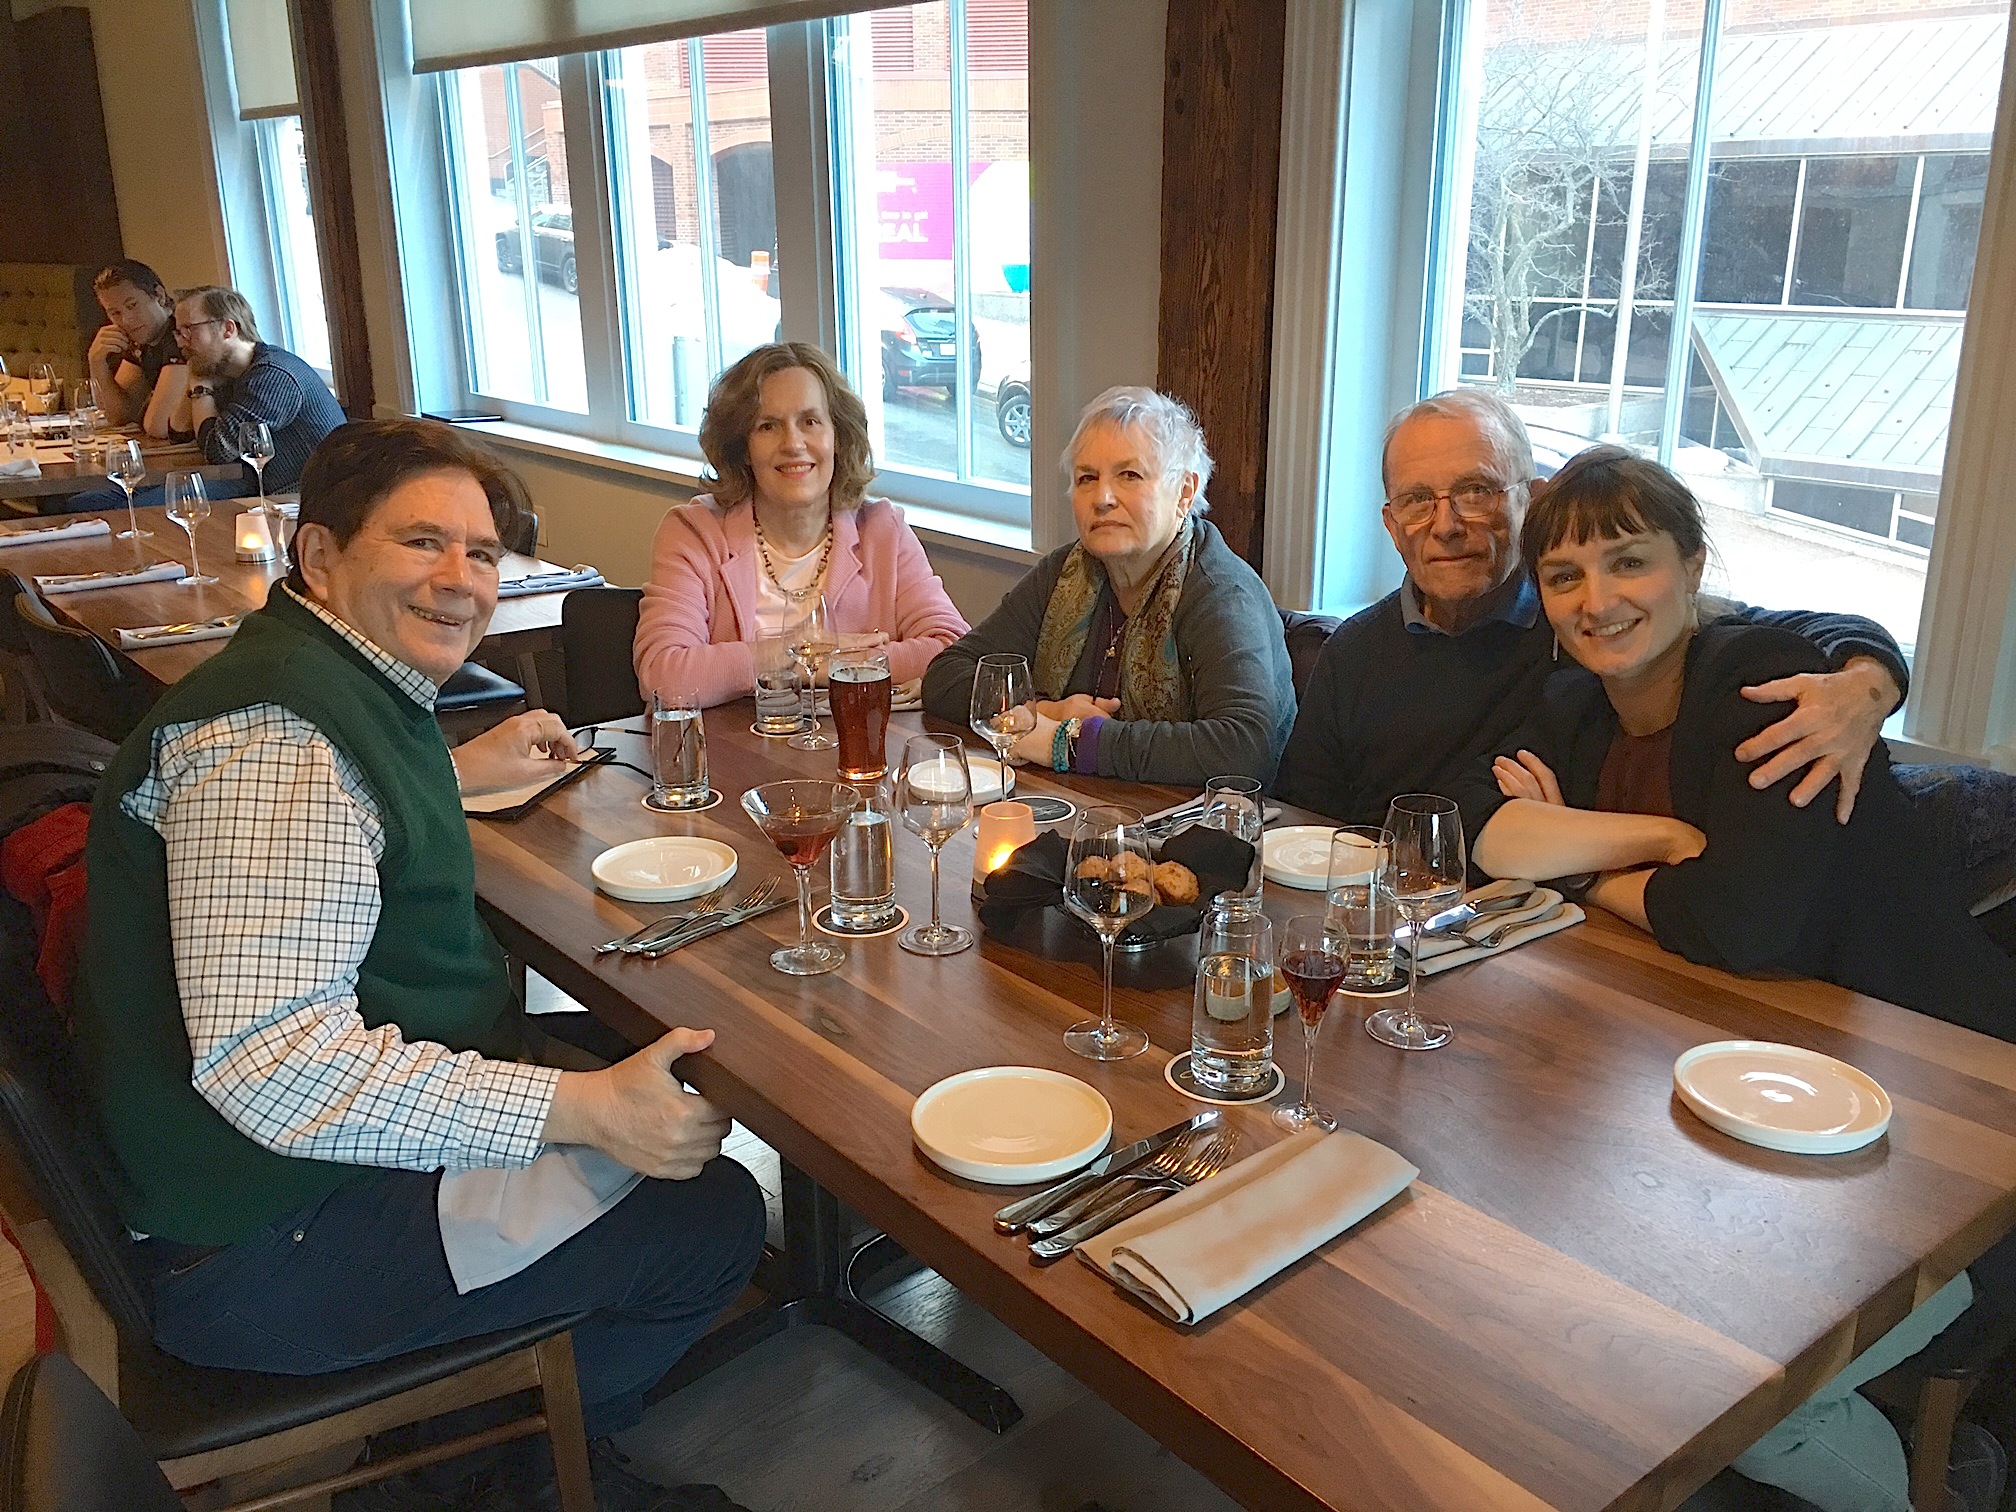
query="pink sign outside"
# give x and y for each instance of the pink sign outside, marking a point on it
(914, 209)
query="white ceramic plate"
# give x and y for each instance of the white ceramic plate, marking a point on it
(1010, 1125)
(1297, 855)
(664, 869)
(985, 773)
(1782, 1097)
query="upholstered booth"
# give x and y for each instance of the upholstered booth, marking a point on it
(47, 314)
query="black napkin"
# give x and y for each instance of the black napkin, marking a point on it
(1033, 877)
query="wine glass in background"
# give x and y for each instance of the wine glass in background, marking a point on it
(1313, 959)
(42, 379)
(999, 712)
(1106, 883)
(1428, 872)
(934, 792)
(811, 640)
(255, 450)
(801, 818)
(125, 466)
(188, 506)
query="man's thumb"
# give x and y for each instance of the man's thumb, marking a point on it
(678, 1042)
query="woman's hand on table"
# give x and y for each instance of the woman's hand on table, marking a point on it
(636, 1111)
(516, 752)
(1033, 749)
(1077, 706)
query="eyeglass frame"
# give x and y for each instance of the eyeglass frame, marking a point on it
(197, 325)
(1416, 507)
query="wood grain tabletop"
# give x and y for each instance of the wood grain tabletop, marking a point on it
(63, 475)
(1588, 1300)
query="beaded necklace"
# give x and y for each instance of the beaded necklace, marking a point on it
(797, 595)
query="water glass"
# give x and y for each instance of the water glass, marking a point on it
(863, 864)
(1360, 897)
(678, 750)
(778, 680)
(1232, 1017)
(20, 434)
(1233, 805)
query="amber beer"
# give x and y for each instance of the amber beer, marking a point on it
(857, 683)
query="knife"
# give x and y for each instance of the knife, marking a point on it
(1017, 1216)
(162, 632)
(707, 931)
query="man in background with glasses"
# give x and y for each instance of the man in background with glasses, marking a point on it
(236, 379)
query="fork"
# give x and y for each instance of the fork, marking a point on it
(1206, 1163)
(1498, 936)
(705, 903)
(670, 941)
(1166, 1163)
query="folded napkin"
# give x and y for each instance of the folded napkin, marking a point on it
(78, 582)
(145, 637)
(1034, 878)
(496, 1222)
(1536, 920)
(21, 467)
(1192, 1253)
(549, 582)
(30, 535)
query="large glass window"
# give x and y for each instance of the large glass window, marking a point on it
(507, 136)
(283, 165)
(1835, 226)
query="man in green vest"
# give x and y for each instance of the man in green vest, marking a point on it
(303, 1044)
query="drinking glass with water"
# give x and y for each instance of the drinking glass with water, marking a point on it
(778, 682)
(1360, 897)
(863, 863)
(1232, 1018)
(678, 750)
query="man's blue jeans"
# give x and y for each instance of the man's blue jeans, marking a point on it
(105, 500)
(360, 1277)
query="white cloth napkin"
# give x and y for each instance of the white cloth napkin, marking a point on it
(549, 582)
(494, 1223)
(146, 637)
(75, 530)
(1192, 1253)
(20, 467)
(1445, 952)
(80, 582)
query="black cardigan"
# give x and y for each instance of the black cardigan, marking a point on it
(1865, 905)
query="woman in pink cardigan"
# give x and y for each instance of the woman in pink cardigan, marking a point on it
(787, 440)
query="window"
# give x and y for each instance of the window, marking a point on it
(507, 149)
(297, 267)
(1836, 230)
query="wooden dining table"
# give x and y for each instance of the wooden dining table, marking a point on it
(62, 474)
(1589, 1299)
(521, 626)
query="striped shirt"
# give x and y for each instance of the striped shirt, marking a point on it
(272, 839)
(289, 396)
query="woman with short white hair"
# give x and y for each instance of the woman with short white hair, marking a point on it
(1156, 653)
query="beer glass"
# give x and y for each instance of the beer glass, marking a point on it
(858, 688)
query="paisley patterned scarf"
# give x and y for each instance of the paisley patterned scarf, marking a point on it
(1152, 683)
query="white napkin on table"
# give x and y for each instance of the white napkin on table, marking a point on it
(1445, 952)
(549, 582)
(494, 1223)
(20, 467)
(1192, 1253)
(80, 582)
(146, 637)
(74, 530)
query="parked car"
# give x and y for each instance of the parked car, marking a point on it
(1011, 405)
(918, 330)
(553, 243)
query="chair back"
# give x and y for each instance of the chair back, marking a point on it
(597, 628)
(65, 1448)
(85, 683)
(1305, 634)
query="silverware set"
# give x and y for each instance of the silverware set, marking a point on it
(1194, 1158)
(1161, 826)
(162, 632)
(674, 931)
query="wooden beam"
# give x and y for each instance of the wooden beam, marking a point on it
(1221, 157)
(326, 136)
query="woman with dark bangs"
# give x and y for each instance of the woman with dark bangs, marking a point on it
(1628, 772)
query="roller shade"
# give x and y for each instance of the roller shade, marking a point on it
(262, 58)
(464, 33)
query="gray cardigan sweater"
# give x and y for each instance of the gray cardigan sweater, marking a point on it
(1228, 633)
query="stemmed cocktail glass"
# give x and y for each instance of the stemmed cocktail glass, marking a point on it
(1428, 874)
(801, 818)
(1106, 883)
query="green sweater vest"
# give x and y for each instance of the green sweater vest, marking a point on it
(433, 968)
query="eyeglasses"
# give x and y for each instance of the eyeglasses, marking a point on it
(182, 330)
(1471, 503)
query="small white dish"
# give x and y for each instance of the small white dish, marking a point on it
(1010, 1125)
(985, 773)
(1782, 1097)
(1297, 855)
(664, 869)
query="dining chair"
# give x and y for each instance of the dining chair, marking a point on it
(84, 682)
(203, 1424)
(1305, 634)
(64, 1448)
(25, 699)
(597, 627)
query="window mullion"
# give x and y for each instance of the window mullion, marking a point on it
(801, 137)
(594, 222)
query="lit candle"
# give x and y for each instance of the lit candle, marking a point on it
(1004, 829)
(255, 537)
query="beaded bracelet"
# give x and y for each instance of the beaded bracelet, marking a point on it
(1061, 742)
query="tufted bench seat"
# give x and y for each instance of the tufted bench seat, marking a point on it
(47, 314)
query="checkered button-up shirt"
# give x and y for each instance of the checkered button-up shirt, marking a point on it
(273, 839)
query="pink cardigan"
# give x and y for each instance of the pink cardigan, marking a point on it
(697, 625)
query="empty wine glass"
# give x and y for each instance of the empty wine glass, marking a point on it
(1313, 959)
(934, 792)
(125, 466)
(1106, 883)
(43, 380)
(801, 818)
(811, 639)
(999, 712)
(255, 449)
(189, 506)
(1428, 873)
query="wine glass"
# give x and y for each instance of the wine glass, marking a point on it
(1000, 713)
(43, 380)
(935, 794)
(801, 818)
(189, 506)
(125, 466)
(1313, 959)
(255, 450)
(811, 639)
(1428, 873)
(1106, 883)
